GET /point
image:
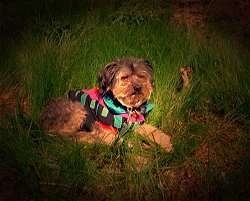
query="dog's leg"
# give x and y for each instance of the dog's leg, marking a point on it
(95, 136)
(107, 137)
(85, 137)
(156, 135)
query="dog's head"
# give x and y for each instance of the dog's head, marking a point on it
(129, 79)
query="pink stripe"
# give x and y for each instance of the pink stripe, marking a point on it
(95, 95)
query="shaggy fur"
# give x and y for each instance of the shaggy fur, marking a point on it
(129, 81)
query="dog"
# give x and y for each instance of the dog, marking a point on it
(103, 114)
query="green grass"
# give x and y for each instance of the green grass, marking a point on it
(67, 52)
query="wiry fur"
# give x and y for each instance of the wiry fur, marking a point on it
(129, 81)
(63, 116)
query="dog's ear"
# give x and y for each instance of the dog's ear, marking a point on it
(148, 64)
(150, 67)
(107, 75)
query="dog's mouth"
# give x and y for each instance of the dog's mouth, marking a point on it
(130, 104)
(132, 95)
(133, 100)
(135, 93)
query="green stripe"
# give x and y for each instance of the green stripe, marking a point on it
(83, 98)
(149, 107)
(105, 112)
(117, 121)
(92, 104)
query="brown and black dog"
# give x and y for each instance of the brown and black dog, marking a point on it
(120, 102)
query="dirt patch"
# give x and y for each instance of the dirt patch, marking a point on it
(221, 145)
(182, 182)
(12, 99)
(218, 156)
(9, 186)
(204, 17)
(195, 13)
(231, 10)
(190, 13)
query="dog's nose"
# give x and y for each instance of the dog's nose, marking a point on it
(137, 88)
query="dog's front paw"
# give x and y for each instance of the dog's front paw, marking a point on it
(156, 135)
(163, 140)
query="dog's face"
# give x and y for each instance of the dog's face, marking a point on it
(130, 80)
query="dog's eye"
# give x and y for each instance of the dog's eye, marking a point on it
(124, 78)
(142, 76)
